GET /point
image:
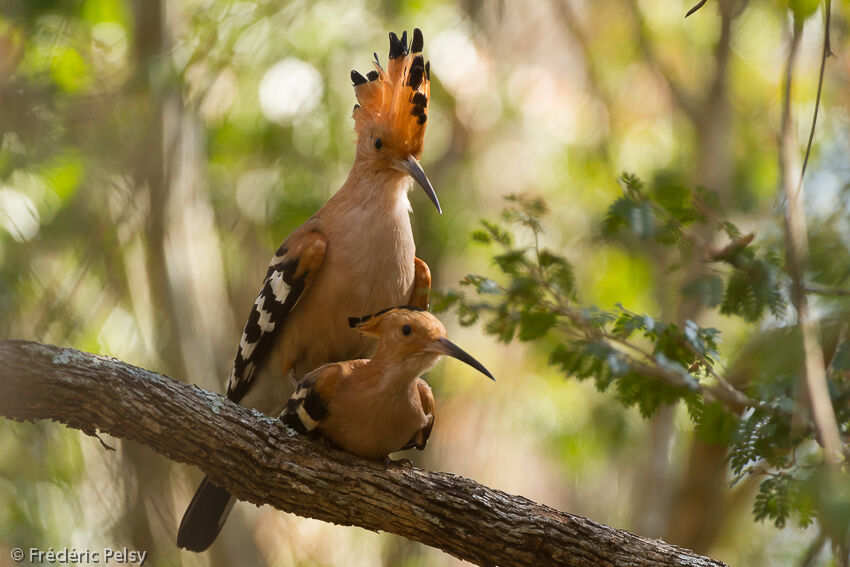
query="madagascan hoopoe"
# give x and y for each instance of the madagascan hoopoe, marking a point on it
(355, 255)
(381, 405)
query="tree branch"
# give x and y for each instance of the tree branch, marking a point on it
(821, 290)
(682, 98)
(827, 8)
(260, 461)
(696, 7)
(797, 254)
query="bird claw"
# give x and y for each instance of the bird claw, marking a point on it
(406, 463)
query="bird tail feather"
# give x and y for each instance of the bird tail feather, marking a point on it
(204, 516)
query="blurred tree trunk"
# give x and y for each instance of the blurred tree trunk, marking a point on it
(687, 507)
(150, 482)
(151, 173)
(166, 166)
(699, 503)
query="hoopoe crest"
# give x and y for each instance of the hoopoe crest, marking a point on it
(392, 107)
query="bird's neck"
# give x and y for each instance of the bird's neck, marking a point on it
(399, 372)
(374, 186)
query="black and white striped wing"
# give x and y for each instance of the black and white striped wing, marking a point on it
(289, 274)
(304, 411)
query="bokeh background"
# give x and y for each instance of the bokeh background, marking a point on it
(154, 153)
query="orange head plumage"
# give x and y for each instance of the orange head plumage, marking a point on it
(407, 335)
(392, 108)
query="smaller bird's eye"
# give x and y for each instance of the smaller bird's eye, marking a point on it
(378, 143)
(405, 330)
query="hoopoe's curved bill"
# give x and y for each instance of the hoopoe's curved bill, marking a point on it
(411, 166)
(445, 346)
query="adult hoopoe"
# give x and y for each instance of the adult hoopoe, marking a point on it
(375, 407)
(355, 255)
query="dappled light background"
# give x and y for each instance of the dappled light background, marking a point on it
(154, 153)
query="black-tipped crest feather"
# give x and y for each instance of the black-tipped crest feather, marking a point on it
(418, 41)
(355, 321)
(396, 47)
(386, 96)
(357, 78)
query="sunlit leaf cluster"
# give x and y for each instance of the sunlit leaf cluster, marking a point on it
(751, 404)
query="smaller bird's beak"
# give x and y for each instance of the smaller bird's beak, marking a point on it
(445, 346)
(412, 167)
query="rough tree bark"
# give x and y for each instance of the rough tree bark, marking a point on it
(260, 461)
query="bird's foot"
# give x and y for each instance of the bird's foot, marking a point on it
(406, 463)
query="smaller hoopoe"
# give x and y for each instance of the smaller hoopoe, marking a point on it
(374, 407)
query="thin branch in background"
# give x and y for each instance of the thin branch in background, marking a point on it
(826, 53)
(570, 21)
(722, 53)
(698, 5)
(797, 257)
(820, 290)
(682, 99)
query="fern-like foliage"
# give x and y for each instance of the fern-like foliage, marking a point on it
(647, 362)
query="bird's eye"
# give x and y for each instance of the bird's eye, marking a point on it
(378, 143)
(405, 330)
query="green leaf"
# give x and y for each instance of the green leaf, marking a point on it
(511, 261)
(558, 272)
(754, 288)
(466, 315)
(631, 184)
(626, 212)
(534, 325)
(482, 236)
(584, 360)
(676, 200)
(481, 284)
(441, 302)
(497, 233)
(525, 290)
(773, 501)
(648, 394)
(731, 230)
(627, 324)
(597, 317)
(502, 326)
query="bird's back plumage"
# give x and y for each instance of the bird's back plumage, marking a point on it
(360, 409)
